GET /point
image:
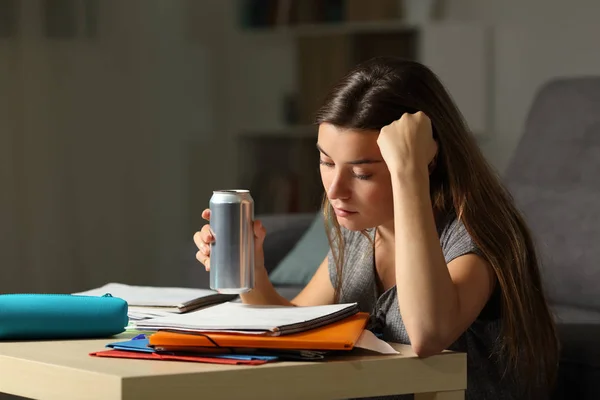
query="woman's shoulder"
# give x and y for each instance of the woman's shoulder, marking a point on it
(455, 238)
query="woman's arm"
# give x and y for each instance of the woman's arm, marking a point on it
(319, 290)
(263, 292)
(437, 301)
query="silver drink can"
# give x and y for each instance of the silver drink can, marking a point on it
(232, 251)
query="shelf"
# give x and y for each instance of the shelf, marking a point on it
(294, 132)
(281, 171)
(334, 28)
(311, 131)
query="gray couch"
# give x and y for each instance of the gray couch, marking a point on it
(554, 176)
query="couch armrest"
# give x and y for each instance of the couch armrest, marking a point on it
(283, 232)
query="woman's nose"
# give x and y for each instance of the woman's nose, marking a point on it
(339, 188)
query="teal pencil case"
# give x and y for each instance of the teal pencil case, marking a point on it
(61, 316)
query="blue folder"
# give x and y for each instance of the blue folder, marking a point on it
(140, 344)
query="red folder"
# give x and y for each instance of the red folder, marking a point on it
(169, 357)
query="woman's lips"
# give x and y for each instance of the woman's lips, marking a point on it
(340, 212)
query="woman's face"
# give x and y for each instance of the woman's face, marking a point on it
(355, 177)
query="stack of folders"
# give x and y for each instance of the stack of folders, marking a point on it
(150, 302)
(248, 334)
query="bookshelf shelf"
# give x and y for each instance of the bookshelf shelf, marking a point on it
(332, 28)
(282, 172)
(290, 132)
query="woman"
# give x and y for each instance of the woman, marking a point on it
(422, 234)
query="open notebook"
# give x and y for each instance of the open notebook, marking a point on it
(170, 299)
(245, 318)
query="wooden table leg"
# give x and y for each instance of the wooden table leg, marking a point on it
(453, 395)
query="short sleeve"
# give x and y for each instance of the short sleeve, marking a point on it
(347, 237)
(456, 241)
(356, 248)
(331, 267)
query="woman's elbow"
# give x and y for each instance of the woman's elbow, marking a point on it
(426, 347)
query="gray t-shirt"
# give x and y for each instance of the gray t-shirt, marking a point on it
(359, 284)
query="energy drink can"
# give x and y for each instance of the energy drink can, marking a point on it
(232, 251)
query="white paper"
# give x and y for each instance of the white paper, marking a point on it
(237, 316)
(138, 313)
(369, 341)
(149, 295)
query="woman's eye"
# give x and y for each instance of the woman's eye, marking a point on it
(357, 175)
(362, 176)
(360, 173)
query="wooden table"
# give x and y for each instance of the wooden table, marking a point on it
(64, 370)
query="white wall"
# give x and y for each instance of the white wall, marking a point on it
(535, 41)
(97, 137)
(10, 224)
(528, 12)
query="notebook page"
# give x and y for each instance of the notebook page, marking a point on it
(369, 341)
(137, 313)
(238, 316)
(150, 295)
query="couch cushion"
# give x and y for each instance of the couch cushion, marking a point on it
(300, 264)
(289, 292)
(575, 315)
(579, 369)
(554, 177)
(566, 226)
(580, 343)
(283, 233)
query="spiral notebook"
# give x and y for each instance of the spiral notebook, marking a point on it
(340, 335)
(171, 299)
(246, 318)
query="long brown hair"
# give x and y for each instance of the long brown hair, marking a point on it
(377, 93)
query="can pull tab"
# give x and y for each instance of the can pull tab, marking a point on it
(107, 295)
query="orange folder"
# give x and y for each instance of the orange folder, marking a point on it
(341, 335)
